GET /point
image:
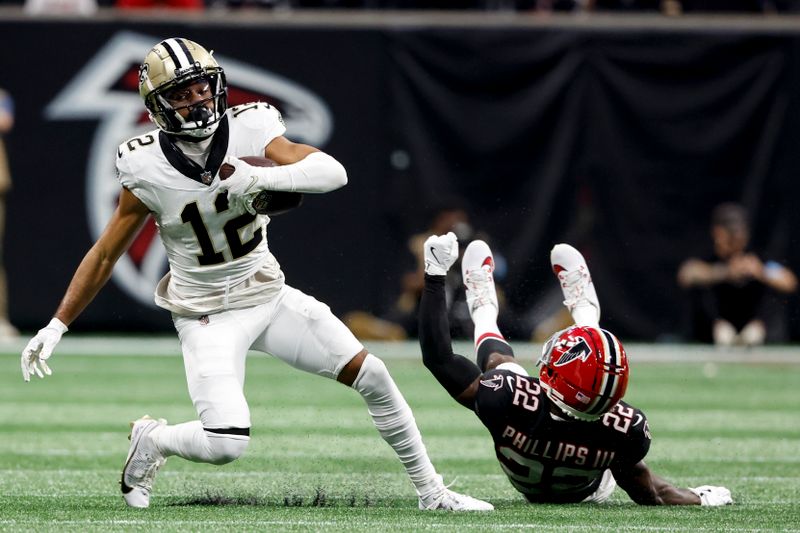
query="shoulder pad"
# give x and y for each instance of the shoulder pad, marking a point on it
(134, 153)
(255, 114)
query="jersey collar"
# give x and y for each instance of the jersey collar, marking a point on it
(190, 169)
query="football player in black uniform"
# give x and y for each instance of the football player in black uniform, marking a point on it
(564, 436)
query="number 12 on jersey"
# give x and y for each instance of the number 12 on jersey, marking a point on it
(209, 256)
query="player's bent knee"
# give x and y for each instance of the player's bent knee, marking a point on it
(226, 447)
(373, 377)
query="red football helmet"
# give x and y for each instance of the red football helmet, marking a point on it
(584, 371)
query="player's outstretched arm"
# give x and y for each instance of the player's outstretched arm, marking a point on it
(301, 168)
(457, 374)
(96, 267)
(90, 276)
(646, 488)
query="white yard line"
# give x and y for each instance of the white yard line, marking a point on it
(161, 344)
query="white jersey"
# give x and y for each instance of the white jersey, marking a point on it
(218, 255)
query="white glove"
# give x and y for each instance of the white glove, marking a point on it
(713, 495)
(242, 185)
(40, 348)
(441, 251)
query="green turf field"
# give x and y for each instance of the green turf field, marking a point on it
(316, 463)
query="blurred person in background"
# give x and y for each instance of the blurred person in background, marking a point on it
(448, 216)
(61, 7)
(400, 320)
(563, 435)
(727, 289)
(194, 5)
(7, 331)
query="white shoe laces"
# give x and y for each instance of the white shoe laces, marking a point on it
(149, 475)
(144, 465)
(574, 284)
(479, 284)
(437, 500)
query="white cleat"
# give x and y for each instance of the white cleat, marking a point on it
(580, 296)
(477, 268)
(447, 500)
(142, 463)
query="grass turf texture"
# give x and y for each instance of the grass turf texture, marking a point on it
(316, 463)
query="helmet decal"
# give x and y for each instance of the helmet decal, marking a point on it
(143, 77)
(577, 349)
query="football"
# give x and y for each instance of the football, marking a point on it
(226, 170)
(266, 202)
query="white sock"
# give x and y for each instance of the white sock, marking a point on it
(190, 441)
(187, 440)
(395, 422)
(485, 320)
(586, 315)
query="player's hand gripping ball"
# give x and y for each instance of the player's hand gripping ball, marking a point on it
(265, 202)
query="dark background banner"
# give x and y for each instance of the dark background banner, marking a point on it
(618, 142)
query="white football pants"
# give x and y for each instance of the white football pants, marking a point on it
(303, 332)
(294, 327)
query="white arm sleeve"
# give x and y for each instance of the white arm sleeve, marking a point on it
(317, 172)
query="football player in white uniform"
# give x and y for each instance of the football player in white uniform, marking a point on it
(224, 288)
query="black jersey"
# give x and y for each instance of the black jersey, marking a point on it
(550, 459)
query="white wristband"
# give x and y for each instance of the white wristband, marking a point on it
(57, 325)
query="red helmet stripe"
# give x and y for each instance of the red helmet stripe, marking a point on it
(488, 335)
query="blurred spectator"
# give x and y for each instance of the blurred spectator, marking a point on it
(669, 7)
(728, 288)
(723, 6)
(170, 4)
(401, 321)
(431, 4)
(323, 4)
(7, 331)
(56, 7)
(676, 7)
(627, 5)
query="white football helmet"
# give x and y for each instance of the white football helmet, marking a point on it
(174, 63)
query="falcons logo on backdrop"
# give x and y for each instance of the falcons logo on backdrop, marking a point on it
(107, 89)
(575, 349)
